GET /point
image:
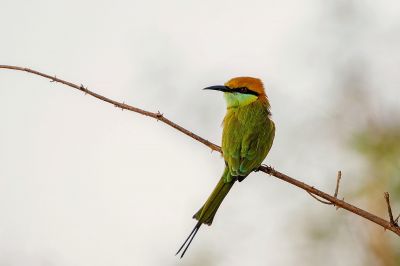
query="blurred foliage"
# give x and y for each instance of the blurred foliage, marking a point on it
(380, 146)
(374, 136)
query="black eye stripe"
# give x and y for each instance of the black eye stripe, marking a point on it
(244, 90)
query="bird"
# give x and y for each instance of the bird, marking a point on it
(247, 137)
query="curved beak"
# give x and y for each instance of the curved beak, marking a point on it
(218, 88)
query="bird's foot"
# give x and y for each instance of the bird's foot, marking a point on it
(267, 166)
(241, 178)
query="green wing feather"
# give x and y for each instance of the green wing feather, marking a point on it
(247, 138)
(255, 149)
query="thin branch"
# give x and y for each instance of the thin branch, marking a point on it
(397, 219)
(392, 221)
(158, 115)
(339, 176)
(337, 202)
(389, 225)
(320, 200)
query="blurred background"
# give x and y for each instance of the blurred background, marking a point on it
(84, 183)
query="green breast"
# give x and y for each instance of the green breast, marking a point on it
(247, 137)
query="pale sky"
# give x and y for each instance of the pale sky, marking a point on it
(83, 183)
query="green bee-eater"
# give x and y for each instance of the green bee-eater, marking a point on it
(246, 140)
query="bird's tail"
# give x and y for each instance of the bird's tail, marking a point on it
(206, 213)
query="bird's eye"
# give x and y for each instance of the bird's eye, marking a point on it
(243, 89)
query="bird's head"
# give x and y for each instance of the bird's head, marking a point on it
(241, 91)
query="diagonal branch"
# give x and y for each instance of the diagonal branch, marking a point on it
(389, 225)
(158, 115)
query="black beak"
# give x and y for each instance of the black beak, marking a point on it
(218, 88)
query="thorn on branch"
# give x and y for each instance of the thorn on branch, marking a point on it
(159, 116)
(84, 89)
(391, 220)
(54, 79)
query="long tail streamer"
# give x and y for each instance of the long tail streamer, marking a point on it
(189, 240)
